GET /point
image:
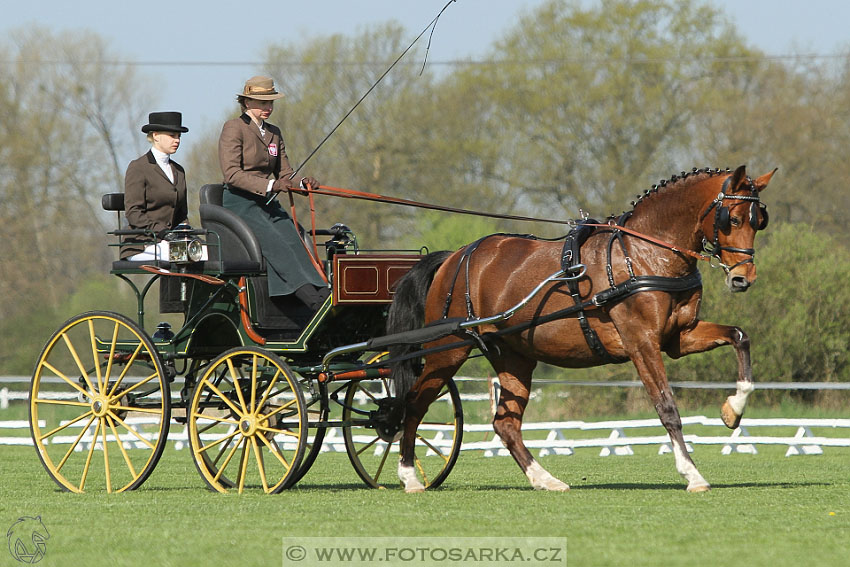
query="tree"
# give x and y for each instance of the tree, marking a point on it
(55, 164)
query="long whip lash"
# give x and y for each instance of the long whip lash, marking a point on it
(431, 24)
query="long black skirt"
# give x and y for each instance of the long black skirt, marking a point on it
(287, 261)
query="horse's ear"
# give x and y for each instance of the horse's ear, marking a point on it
(738, 177)
(762, 181)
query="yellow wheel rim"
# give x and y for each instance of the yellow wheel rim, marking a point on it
(248, 422)
(99, 404)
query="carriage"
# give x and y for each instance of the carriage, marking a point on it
(240, 379)
(258, 384)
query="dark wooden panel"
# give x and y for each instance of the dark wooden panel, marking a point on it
(369, 278)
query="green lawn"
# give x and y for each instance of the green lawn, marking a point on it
(765, 509)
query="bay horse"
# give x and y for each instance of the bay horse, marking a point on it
(708, 214)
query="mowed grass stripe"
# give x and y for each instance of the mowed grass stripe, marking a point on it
(765, 509)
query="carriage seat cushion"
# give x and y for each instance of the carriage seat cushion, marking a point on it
(231, 239)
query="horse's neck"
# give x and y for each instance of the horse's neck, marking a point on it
(673, 217)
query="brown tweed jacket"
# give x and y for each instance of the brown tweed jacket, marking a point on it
(151, 201)
(248, 160)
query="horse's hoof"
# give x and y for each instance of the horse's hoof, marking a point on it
(552, 484)
(730, 419)
(414, 490)
(693, 489)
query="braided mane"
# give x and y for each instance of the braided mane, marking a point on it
(676, 182)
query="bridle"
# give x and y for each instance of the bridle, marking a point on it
(722, 222)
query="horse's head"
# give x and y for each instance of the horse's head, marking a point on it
(730, 223)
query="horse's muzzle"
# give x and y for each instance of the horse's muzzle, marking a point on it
(738, 282)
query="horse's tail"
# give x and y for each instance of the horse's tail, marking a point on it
(407, 313)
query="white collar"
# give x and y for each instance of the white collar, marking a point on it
(161, 158)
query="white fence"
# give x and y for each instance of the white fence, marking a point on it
(617, 437)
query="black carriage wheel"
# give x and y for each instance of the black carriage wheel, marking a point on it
(318, 411)
(438, 438)
(248, 422)
(100, 405)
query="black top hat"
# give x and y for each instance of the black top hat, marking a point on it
(164, 122)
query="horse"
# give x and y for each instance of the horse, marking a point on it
(637, 295)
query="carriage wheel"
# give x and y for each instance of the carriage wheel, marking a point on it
(248, 422)
(100, 405)
(318, 411)
(438, 438)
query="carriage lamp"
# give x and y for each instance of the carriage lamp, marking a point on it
(183, 246)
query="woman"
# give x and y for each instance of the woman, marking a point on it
(155, 189)
(255, 167)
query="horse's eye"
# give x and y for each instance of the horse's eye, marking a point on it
(736, 222)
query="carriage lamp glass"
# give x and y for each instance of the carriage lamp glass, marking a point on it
(183, 247)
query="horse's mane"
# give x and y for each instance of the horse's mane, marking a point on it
(676, 182)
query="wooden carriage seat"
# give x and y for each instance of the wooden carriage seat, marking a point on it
(282, 317)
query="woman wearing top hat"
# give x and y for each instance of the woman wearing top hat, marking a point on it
(155, 188)
(255, 167)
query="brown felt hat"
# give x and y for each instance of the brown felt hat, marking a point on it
(260, 88)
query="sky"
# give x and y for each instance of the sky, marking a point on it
(225, 41)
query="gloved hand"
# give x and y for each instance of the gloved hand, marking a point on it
(282, 184)
(310, 182)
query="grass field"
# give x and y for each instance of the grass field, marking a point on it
(765, 509)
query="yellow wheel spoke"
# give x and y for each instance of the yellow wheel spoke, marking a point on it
(236, 385)
(269, 389)
(383, 460)
(252, 407)
(111, 353)
(226, 461)
(63, 403)
(369, 444)
(138, 384)
(432, 447)
(422, 471)
(75, 443)
(275, 450)
(278, 410)
(76, 358)
(106, 456)
(368, 393)
(126, 426)
(89, 456)
(243, 466)
(127, 367)
(93, 341)
(224, 398)
(121, 446)
(199, 416)
(217, 441)
(61, 427)
(279, 431)
(137, 409)
(69, 381)
(260, 466)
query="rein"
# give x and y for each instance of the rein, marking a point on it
(363, 195)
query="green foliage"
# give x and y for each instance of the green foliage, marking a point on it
(797, 315)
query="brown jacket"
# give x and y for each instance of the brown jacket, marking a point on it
(151, 201)
(248, 160)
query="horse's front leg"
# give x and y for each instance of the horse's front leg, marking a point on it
(706, 336)
(650, 367)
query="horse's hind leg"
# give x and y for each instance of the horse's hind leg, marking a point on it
(515, 380)
(651, 370)
(439, 369)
